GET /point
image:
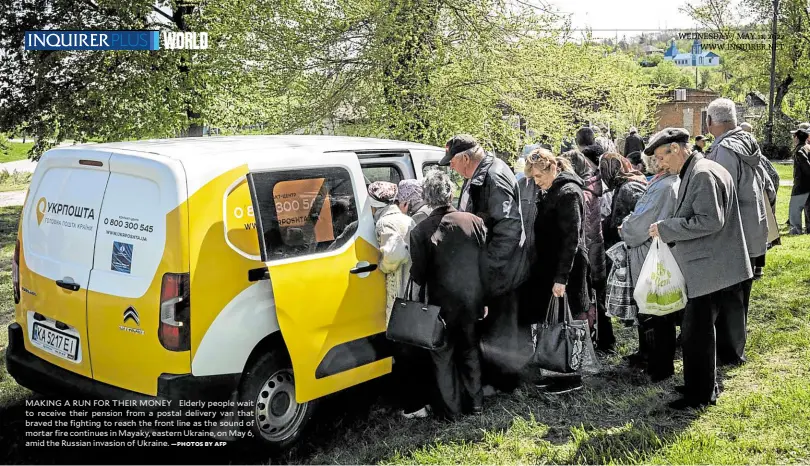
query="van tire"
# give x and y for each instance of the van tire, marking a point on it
(276, 421)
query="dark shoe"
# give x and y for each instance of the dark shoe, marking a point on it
(757, 273)
(682, 389)
(544, 382)
(732, 363)
(685, 403)
(636, 360)
(564, 385)
(477, 410)
(659, 377)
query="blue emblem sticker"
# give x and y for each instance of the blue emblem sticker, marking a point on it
(121, 257)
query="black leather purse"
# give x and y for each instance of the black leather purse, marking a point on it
(416, 323)
(559, 344)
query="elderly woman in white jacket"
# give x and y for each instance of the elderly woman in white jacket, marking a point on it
(656, 334)
(393, 234)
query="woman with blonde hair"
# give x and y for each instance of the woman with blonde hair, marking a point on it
(562, 266)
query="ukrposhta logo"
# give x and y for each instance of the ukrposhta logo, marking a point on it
(114, 40)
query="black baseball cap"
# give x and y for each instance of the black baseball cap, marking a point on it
(456, 144)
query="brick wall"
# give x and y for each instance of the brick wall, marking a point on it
(685, 114)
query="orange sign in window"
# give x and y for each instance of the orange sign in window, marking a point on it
(296, 202)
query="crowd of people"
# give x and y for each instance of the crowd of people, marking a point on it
(558, 226)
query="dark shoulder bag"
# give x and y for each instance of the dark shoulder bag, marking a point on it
(560, 344)
(416, 323)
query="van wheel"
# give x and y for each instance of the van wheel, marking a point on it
(277, 420)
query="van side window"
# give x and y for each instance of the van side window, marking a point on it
(457, 179)
(382, 173)
(305, 211)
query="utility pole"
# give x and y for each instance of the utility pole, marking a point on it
(695, 60)
(769, 127)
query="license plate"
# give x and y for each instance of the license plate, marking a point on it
(55, 341)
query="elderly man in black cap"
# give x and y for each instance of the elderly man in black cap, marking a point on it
(490, 191)
(710, 249)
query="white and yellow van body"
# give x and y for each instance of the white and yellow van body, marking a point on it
(140, 270)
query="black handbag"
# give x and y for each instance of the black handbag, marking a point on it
(559, 345)
(416, 323)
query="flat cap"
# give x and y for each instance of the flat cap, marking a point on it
(456, 144)
(666, 136)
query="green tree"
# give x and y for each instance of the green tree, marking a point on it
(669, 76)
(418, 70)
(749, 69)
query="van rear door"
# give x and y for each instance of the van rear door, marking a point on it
(60, 221)
(140, 270)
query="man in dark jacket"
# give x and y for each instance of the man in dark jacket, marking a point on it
(800, 194)
(491, 192)
(528, 208)
(446, 249)
(633, 142)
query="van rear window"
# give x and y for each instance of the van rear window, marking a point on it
(304, 211)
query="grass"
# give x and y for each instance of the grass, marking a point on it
(763, 415)
(10, 392)
(15, 151)
(15, 181)
(785, 171)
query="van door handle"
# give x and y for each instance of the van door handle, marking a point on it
(363, 268)
(262, 273)
(68, 285)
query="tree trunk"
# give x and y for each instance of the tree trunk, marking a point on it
(179, 16)
(781, 91)
(410, 40)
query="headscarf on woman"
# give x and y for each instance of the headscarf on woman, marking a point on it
(617, 170)
(393, 230)
(583, 167)
(411, 193)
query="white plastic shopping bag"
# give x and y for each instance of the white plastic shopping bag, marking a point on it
(661, 288)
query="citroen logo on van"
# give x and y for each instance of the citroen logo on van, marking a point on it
(132, 314)
(42, 206)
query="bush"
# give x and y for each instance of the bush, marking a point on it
(15, 178)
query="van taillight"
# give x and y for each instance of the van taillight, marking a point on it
(175, 325)
(15, 272)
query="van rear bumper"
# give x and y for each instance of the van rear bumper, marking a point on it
(43, 377)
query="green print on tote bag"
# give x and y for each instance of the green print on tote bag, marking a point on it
(661, 288)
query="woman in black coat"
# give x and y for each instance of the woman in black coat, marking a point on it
(446, 252)
(562, 262)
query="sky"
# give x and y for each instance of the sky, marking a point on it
(624, 15)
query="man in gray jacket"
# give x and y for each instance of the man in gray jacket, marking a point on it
(738, 152)
(711, 252)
